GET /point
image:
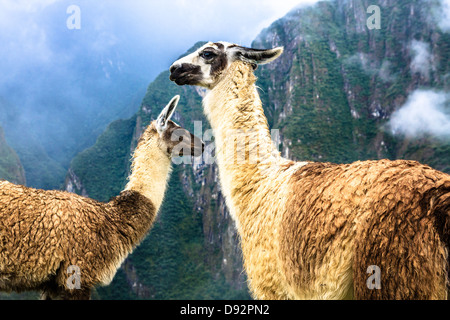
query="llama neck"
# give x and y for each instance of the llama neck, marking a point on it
(150, 169)
(245, 153)
(137, 205)
(235, 112)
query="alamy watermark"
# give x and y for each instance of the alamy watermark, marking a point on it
(238, 146)
(374, 281)
(374, 21)
(74, 278)
(73, 22)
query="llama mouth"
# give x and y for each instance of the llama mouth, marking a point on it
(184, 78)
(180, 80)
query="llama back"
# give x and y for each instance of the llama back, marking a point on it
(408, 238)
(374, 213)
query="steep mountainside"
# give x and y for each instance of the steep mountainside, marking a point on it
(334, 90)
(341, 92)
(10, 167)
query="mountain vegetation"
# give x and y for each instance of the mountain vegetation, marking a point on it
(10, 167)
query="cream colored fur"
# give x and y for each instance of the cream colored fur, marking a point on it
(150, 169)
(255, 189)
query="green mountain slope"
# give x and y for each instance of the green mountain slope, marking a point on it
(103, 168)
(10, 167)
(335, 88)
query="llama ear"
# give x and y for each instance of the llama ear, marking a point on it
(257, 56)
(167, 113)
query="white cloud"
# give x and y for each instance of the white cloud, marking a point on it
(385, 72)
(425, 112)
(26, 5)
(421, 58)
(372, 67)
(444, 16)
(278, 9)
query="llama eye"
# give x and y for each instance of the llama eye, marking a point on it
(207, 55)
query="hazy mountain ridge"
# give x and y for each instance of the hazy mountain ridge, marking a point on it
(10, 167)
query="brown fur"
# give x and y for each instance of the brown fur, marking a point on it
(311, 230)
(41, 238)
(341, 219)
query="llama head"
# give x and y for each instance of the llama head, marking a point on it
(172, 138)
(205, 66)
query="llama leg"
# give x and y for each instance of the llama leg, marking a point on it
(45, 296)
(49, 290)
(52, 293)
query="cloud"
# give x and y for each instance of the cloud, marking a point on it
(422, 59)
(426, 112)
(34, 31)
(276, 10)
(443, 15)
(385, 72)
(372, 67)
(186, 22)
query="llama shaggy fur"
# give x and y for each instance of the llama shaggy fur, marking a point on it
(311, 230)
(43, 233)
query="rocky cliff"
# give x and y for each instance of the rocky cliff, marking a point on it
(337, 92)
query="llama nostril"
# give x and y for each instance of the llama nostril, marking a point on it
(173, 68)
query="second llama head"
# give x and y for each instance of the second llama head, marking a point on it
(172, 138)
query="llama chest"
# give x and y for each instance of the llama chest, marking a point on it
(260, 247)
(260, 241)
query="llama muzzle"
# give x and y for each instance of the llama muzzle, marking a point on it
(185, 73)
